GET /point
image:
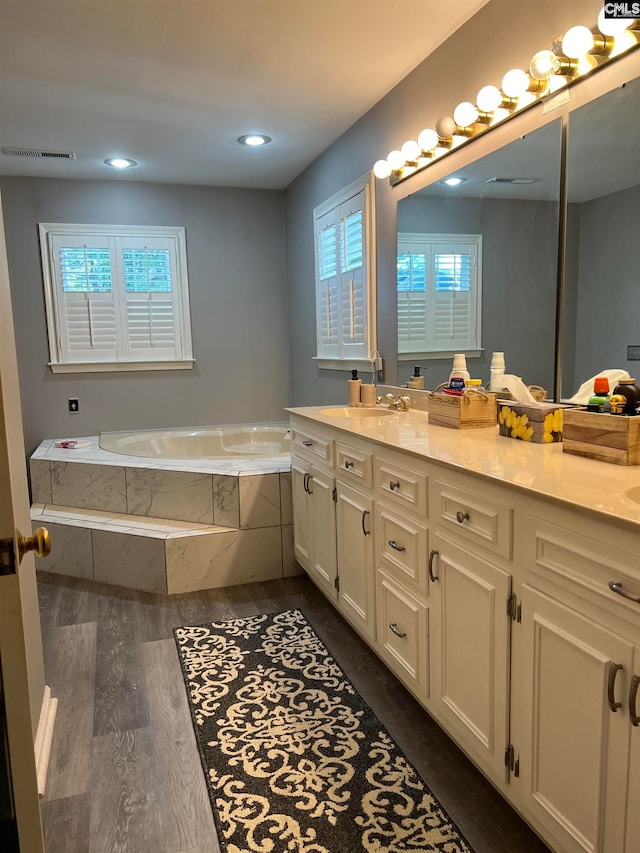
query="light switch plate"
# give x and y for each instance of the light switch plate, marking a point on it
(633, 353)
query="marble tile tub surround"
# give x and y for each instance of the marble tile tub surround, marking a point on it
(239, 493)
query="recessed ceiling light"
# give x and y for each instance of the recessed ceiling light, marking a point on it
(254, 139)
(453, 182)
(121, 162)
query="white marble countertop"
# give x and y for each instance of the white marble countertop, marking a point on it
(612, 492)
(95, 455)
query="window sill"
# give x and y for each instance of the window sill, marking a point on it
(121, 366)
(425, 356)
(363, 364)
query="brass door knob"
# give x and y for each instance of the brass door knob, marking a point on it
(40, 542)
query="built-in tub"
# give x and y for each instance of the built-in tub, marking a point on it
(219, 442)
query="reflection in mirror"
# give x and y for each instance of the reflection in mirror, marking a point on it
(491, 238)
(602, 278)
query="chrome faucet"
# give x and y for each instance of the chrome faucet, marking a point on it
(399, 403)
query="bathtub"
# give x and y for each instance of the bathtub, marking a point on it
(219, 442)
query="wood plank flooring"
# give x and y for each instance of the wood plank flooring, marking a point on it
(125, 774)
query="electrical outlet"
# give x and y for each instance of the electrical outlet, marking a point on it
(633, 353)
(380, 369)
(74, 405)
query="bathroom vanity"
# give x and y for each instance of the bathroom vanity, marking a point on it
(480, 570)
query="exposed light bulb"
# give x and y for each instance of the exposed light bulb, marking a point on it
(410, 150)
(489, 99)
(445, 127)
(515, 83)
(381, 169)
(465, 114)
(544, 64)
(621, 42)
(577, 42)
(612, 26)
(428, 139)
(395, 160)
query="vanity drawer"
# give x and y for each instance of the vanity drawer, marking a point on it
(474, 517)
(355, 465)
(401, 486)
(403, 634)
(402, 546)
(597, 572)
(311, 446)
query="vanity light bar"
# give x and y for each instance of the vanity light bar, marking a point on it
(579, 52)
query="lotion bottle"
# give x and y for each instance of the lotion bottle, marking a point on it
(497, 369)
(354, 388)
(416, 381)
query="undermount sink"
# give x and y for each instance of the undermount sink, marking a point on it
(634, 494)
(357, 413)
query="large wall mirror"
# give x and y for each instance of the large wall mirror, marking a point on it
(602, 272)
(480, 259)
(510, 200)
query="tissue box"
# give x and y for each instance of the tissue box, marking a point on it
(540, 424)
(610, 438)
(470, 411)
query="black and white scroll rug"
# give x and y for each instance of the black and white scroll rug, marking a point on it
(294, 759)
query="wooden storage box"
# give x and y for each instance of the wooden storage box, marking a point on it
(473, 410)
(539, 424)
(610, 438)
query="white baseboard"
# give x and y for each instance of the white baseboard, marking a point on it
(44, 736)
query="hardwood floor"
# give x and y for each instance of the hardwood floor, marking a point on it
(125, 775)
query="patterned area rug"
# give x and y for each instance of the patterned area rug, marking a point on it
(295, 761)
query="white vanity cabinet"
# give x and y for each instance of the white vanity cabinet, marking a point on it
(471, 607)
(512, 617)
(575, 657)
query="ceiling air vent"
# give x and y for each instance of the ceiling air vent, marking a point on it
(39, 153)
(498, 180)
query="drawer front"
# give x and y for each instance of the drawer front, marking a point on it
(401, 486)
(598, 572)
(402, 547)
(474, 518)
(354, 465)
(310, 446)
(403, 634)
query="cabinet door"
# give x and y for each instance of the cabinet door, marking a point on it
(301, 512)
(633, 798)
(354, 516)
(323, 532)
(574, 749)
(470, 631)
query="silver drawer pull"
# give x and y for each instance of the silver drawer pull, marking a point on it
(393, 485)
(348, 464)
(397, 631)
(614, 668)
(633, 695)
(393, 544)
(307, 443)
(462, 516)
(616, 586)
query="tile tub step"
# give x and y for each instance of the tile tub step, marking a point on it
(159, 555)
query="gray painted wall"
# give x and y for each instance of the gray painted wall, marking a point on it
(519, 271)
(608, 305)
(493, 41)
(235, 246)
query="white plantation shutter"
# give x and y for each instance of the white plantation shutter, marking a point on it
(150, 298)
(343, 298)
(87, 327)
(116, 296)
(439, 291)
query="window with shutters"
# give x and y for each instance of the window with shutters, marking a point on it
(345, 297)
(439, 294)
(117, 297)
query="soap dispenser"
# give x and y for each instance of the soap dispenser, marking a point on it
(416, 381)
(354, 388)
